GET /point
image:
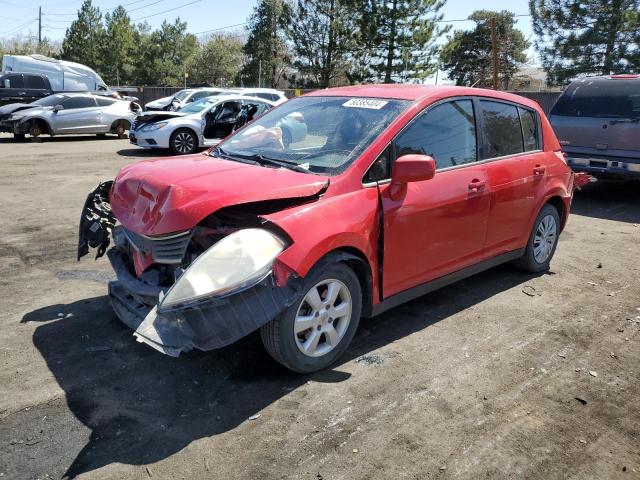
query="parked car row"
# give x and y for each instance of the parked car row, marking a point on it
(191, 95)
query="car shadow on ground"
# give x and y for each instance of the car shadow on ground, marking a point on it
(142, 407)
(60, 138)
(617, 200)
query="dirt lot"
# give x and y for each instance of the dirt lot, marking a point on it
(478, 380)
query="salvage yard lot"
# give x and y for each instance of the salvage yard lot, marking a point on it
(504, 375)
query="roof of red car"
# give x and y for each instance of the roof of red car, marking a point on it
(408, 91)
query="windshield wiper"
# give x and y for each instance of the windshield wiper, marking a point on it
(625, 120)
(220, 152)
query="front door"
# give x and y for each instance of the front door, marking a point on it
(78, 115)
(439, 226)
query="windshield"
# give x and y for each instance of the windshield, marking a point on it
(316, 134)
(196, 107)
(604, 98)
(50, 101)
(181, 95)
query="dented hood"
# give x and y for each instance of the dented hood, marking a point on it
(162, 196)
(152, 117)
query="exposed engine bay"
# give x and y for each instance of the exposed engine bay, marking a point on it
(147, 267)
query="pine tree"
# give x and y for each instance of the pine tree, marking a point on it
(266, 50)
(467, 55)
(119, 47)
(587, 37)
(84, 38)
(323, 36)
(402, 36)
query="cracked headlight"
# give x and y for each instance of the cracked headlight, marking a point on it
(236, 262)
(153, 126)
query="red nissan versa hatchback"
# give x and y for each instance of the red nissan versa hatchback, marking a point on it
(389, 192)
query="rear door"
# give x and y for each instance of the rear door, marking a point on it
(440, 224)
(515, 165)
(35, 86)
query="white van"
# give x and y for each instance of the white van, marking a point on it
(63, 75)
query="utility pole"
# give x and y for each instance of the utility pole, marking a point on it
(494, 48)
(39, 25)
(259, 73)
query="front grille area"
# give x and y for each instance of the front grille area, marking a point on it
(166, 249)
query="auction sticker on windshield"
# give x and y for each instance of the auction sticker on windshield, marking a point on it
(371, 103)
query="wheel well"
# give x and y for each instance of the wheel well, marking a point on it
(43, 125)
(125, 123)
(358, 262)
(558, 204)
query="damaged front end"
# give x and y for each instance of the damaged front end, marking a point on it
(203, 288)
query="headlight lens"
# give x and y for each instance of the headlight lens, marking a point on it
(235, 262)
(153, 126)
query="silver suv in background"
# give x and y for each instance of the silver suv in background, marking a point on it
(72, 113)
(597, 121)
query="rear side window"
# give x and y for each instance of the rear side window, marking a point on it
(35, 82)
(446, 132)
(530, 134)
(79, 102)
(603, 98)
(105, 102)
(502, 131)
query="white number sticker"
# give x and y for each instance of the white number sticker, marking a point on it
(371, 103)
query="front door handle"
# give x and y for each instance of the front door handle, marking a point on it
(22, 94)
(539, 170)
(476, 185)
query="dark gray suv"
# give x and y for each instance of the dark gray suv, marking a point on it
(597, 121)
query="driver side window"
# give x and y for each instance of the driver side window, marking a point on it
(447, 132)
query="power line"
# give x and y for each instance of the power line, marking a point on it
(221, 28)
(167, 11)
(19, 27)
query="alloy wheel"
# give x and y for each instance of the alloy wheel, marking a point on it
(545, 238)
(184, 142)
(322, 318)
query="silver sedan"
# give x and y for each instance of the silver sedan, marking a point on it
(67, 113)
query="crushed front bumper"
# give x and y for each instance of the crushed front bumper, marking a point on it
(205, 325)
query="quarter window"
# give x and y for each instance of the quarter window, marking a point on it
(446, 132)
(529, 129)
(503, 134)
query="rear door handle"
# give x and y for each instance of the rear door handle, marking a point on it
(476, 185)
(539, 170)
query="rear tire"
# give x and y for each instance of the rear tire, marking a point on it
(542, 241)
(183, 142)
(318, 327)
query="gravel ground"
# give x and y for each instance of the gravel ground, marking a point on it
(504, 375)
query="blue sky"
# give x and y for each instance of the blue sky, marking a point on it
(20, 17)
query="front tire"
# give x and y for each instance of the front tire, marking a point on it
(183, 142)
(542, 241)
(315, 330)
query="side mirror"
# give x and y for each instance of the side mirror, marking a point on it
(410, 168)
(58, 107)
